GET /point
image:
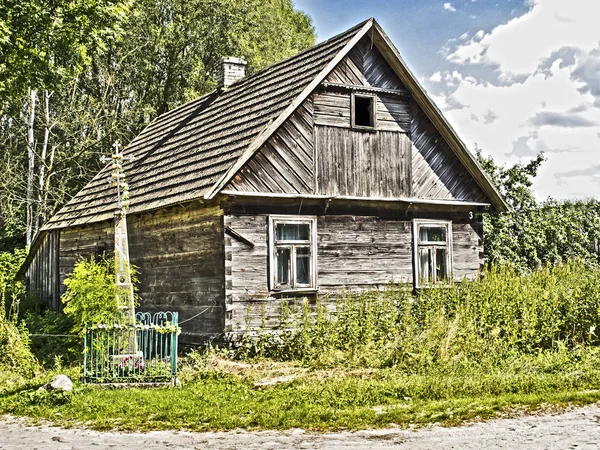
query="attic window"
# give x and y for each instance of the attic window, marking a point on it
(363, 111)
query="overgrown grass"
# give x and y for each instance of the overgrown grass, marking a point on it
(500, 345)
(219, 394)
(481, 323)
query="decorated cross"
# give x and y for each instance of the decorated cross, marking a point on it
(125, 299)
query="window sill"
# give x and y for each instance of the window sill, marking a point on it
(366, 129)
(294, 292)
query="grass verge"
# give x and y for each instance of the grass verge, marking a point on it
(223, 395)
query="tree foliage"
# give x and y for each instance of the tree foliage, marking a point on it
(75, 76)
(535, 234)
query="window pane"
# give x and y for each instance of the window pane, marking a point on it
(426, 265)
(432, 234)
(292, 231)
(303, 265)
(441, 264)
(363, 111)
(283, 266)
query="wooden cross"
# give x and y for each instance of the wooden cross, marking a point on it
(118, 177)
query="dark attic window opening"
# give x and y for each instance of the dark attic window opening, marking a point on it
(363, 111)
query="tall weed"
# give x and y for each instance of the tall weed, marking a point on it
(482, 322)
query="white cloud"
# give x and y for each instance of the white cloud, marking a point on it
(530, 85)
(436, 77)
(518, 46)
(449, 7)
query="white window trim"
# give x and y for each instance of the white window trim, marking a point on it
(312, 220)
(415, 235)
(353, 96)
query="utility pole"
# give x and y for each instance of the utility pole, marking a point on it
(125, 299)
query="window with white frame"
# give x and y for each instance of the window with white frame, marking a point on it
(432, 252)
(292, 255)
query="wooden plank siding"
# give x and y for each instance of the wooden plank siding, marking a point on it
(354, 253)
(180, 256)
(286, 163)
(363, 164)
(42, 274)
(366, 66)
(85, 242)
(437, 172)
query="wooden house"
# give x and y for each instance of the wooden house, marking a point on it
(331, 170)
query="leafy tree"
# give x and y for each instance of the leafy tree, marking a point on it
(77, 75)
(535, 234)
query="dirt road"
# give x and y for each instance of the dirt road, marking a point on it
(575, 429)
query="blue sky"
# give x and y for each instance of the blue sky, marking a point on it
(419, 28)
(514, 77)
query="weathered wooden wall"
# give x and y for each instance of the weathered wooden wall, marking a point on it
(42, 274)
(437, 172)
(83, 242)
(362, 164)
(180, 257)
(353, 253)
(332, 108)
(365, 66)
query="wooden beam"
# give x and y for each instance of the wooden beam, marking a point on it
(371, 89)
(413, 200)
(238, 236)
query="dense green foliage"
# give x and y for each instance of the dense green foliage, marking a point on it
(535, 233)
(10, 288)
(483, 321)
(15, 354)
(91, 292)
(52, 339)
(75, 76)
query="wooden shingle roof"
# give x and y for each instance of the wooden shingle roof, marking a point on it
(183, 152)
(192, 151)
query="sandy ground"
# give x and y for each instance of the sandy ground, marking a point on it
(575, 429)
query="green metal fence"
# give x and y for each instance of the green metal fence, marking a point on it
(117, 351)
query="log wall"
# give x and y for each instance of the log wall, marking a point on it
(353, 253)
(42, 274)
(180, 257)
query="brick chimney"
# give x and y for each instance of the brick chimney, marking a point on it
(231, 70)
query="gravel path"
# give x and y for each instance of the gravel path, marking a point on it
(578, 428)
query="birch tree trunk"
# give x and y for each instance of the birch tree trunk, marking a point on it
(43, 164)
(31, 165)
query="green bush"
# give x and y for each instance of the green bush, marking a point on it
(64, 344)
(15, 355)
(479, 322)
(91, 293)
